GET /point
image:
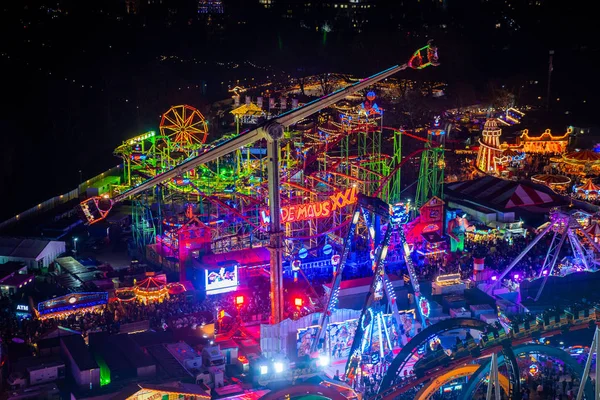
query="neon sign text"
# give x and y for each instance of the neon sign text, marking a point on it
(321, 209)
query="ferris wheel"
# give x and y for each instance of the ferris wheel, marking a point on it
(185, 127)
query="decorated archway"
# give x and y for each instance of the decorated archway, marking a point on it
(554, 352)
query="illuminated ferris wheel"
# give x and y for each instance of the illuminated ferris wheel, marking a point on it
(185, 127)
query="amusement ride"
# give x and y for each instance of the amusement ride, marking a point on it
(316, 176)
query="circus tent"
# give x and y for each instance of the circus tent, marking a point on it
(503, 194)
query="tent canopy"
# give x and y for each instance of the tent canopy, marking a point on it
(501, 194)
(582, 157)
(588, 187)
(548, 179)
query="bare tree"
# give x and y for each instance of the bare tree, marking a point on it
(302, 83)
(500, 97)
(326, 82)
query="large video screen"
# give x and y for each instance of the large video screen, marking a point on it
(221, 280)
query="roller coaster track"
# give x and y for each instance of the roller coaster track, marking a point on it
(389, 389)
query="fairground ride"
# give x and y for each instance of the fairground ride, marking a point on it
(179, 161)
(438, 364)
(229, 194)
(380, 319)
(562, 226)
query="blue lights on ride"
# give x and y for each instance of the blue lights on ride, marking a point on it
(400, 213)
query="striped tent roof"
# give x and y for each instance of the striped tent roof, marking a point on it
(589, 186)
(582, 157)
(503, 194)
(593, 229)
(548, 179)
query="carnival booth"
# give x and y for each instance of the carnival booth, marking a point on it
(558, 183)
(60, 307)
(588, 191)
(510, 160)
(546, 143)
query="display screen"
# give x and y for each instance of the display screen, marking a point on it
(340, 337)
(221, 280)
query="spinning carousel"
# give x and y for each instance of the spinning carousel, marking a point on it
(558, 183)
(151, 289)
(588, 191)
(581, 162)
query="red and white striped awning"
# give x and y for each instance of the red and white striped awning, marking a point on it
(501, 193)
(593, 229)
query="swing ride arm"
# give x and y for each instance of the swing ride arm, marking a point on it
(95, 209)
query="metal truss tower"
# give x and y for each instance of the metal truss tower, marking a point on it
(144, 231)
(431, 173)
(391, 194)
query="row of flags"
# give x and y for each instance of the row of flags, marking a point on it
(259, 102)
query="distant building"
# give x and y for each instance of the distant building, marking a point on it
(35, 253)
(267, 3)
(33, 371)
(132, 6)
(210, 7)
(327, 14)
(14, 277)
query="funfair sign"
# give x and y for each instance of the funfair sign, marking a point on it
(320, 209)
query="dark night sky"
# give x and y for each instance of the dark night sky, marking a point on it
(53, 127)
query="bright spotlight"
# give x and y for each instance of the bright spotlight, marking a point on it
(278, 367)
(323, 361)
(264, 369)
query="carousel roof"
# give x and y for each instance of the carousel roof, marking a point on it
(589, 187)
(549, 179)
(510, 153)
(593, 229)
(247, 109)
(150, 284)
(491, 124)
(582, 157)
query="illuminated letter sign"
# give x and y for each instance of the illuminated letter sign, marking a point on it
(321, 209)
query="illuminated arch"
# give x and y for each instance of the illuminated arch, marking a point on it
(303, 390)
(402, 359)
(428, 390)
(562, 355)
